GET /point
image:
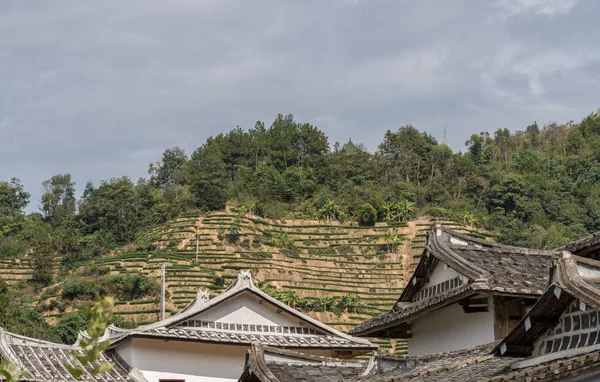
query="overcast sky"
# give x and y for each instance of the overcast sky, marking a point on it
(99, 89)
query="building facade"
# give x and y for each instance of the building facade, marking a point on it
(204, 342)
(464, 292)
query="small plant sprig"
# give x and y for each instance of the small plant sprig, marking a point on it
(98, 320)
(11, 372)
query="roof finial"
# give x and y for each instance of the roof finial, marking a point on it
(245, 280)
(202, 296)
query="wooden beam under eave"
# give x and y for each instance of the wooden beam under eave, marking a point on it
(399, 331)
(543, 322)
(519, 350)
(475, 309)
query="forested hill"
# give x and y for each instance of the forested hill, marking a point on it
(536, 187)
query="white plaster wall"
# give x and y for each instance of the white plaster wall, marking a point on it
(451, 329)
(246, 309)
(157, 358)
(440, 275)
(194, 362)
(152, 376)
(124, 351)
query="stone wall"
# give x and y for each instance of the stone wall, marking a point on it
(578, 327)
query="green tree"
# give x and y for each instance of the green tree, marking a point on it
(58, 200)
(42, 257)
(13, 197)
(171, 170)
(367, 215)
(70, 325)
(114, 208)
(210, 178)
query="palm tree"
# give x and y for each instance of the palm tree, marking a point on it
(292, 298)
(392, 241)
(469, 218)
(329, 210)
(326, 303)
(353, 303)
(404, 209)
(388, 207)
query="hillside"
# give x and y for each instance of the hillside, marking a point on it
(312, 265)
(308, 234)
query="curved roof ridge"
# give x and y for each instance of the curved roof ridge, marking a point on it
(441, 245)
(570, 278)
(243, 283)
(14, 339)
(575, 246)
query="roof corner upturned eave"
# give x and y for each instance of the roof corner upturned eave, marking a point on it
(436, 250)
(256, 367)
(566, 285)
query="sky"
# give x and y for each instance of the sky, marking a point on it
(99, 89)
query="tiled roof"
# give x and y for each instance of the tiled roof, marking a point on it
(270, 364)
(568, 285)
(488, 267)
(265, 364)
(44, 361)
(497, 267)
(395, 317)
(583, 246)
(244, 338)
(508, 269)
(171, 327)
(475, 366)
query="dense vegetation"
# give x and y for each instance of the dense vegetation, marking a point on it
(536, 188)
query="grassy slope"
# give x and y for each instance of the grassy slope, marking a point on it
(329, 259)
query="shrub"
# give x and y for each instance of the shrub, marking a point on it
(122, 286)
(11, 248)
(145, 245)
(367, 215)
(219, 281)
(69, 326)
(129, 286)
(80, 289)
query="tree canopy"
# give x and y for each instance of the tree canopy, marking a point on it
(536, 187)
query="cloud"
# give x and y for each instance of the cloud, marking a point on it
(540, 7)
(101, 89)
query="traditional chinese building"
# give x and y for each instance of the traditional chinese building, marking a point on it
(558, 339)
(464, 292)
(45, 361)
(205, 342)
(565, 321)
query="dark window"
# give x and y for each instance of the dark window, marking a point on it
(548, 347)
(556, 345)
(583, 340)
(585, 321)
(574, 341)
(576, 323)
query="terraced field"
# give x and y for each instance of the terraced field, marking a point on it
(313, 259)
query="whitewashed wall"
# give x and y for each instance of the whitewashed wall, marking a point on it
(158, 359)
(246, 309)
(440, 275)
(451, 329)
